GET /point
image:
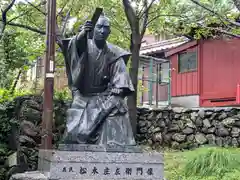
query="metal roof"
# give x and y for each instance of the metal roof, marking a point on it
(146, 59)
(163, 45)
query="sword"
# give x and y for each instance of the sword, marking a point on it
(95, 17)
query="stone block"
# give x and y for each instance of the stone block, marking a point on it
(76, 165)
(34, 175)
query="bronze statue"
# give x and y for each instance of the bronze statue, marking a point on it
(99, 82)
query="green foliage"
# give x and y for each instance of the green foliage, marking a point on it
(14, 54)
(63, 94)
(18, 46)
(6, 95)
(11, 58)
(83, 10)
(140, 91)
(212, 162)
(206, 163)
(18, 49)
(7, 122)
(184, 17)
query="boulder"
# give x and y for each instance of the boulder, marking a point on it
(228, 122)
(206, 123)
(188, 131)
(200, 138)
(179, 137)
(235, 132)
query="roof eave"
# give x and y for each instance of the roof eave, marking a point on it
(181, 47)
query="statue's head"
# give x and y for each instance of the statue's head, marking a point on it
(102, 29)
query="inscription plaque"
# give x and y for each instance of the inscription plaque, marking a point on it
(73, 165)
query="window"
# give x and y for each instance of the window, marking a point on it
(164, 76)
(187, 61)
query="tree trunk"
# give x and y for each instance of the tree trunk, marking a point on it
(132, 100)
(15, 82)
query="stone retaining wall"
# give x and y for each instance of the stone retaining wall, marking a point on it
(189, 128)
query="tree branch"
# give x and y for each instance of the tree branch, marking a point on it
(65, 23)
(221, 31)
(159, 15)
(155, 10)
(20, 15)
(4, 16)
(131, 14)
(8, 7)
(24, 13)
(206, 27)
(60, 34)
(146, 8)
(116, 25)
(27, 27)
(179, 34)
(145, 17)
(120, 30)
(59, 38)
(59, 13)
(34, 23)
(237, 4)
(139, 13)
(215, 13)
(36, 7)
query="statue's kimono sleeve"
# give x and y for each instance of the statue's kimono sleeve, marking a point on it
(75, 59)
(120, 78)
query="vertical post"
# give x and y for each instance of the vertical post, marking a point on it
(169, 83)
(150, 80)
(238, 94)
(47, 117)
(157, 83)
(143, 72)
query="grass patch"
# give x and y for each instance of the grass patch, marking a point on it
(206, 163)
(212, 162)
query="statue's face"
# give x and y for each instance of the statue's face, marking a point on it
(102, 29)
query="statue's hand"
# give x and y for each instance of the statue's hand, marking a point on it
(88, 26)
(116, 91)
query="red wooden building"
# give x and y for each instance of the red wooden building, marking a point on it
(205, 73)
(154, 71)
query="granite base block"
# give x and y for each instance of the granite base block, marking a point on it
(34, 175)
(76, 165)
(99, 148)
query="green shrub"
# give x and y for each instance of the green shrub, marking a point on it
(206, 163)
(212, 161)
(63, 94)
(7, 122)
(6, 95)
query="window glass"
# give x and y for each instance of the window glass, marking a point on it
(187, 61)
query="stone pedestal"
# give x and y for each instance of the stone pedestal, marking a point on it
(75, 162)
(90, 162)
(99, 148)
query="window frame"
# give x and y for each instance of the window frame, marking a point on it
(188, 69)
